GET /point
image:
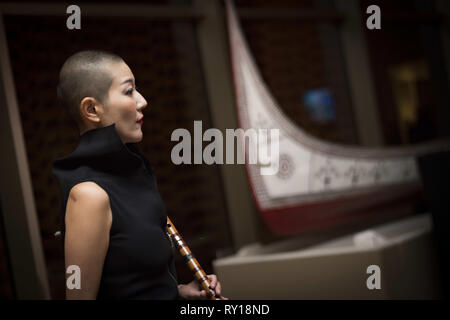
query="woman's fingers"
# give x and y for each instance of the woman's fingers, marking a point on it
(213, 280)
(218, 288)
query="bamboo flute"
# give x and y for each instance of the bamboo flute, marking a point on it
(190, 260)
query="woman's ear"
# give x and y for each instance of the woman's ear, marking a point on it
(89, 109)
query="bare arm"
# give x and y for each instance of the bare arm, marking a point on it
(88, 222)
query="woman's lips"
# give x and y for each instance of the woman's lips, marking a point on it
(141, 121)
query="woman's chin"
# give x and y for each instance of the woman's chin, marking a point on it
(136, 137)
(139, 136)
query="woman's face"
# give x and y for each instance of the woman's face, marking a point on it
(124, 105)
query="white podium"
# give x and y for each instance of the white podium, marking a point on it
(337, 269)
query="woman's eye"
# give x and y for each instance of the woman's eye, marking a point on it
(129, 92)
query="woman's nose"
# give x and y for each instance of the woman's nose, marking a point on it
(142, 103)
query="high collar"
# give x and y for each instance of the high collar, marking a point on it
(102, 149)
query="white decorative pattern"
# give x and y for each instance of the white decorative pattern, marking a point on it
(311, 169)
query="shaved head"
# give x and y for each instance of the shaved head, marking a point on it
(85, 74)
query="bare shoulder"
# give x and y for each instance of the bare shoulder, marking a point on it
(89, 192)
(88, 199)
(88, 223)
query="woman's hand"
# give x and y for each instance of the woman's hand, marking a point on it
(193, 290)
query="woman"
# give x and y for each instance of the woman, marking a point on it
(113, 215)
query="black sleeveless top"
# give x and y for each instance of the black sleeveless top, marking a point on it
(139, 262)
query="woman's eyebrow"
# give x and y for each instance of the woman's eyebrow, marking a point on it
(126, 81)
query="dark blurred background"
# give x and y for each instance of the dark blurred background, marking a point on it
(385, 87)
